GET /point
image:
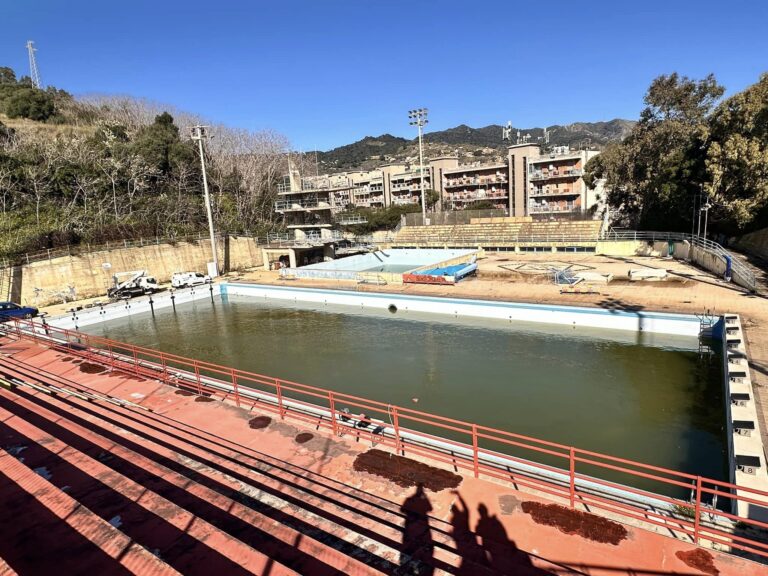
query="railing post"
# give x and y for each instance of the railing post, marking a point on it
(475, 458)
(165, 368)
(279, 390)
(197, 377)
(332, 406)
(697, 511)
(572, 476)
(234, 385)
(135, 361)
(396, 424)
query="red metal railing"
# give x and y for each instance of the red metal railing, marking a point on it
(432, 436)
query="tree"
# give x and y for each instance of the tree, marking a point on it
(737, 157)
(431, 198)
(29, 103)
(7, 75)
(653, 176)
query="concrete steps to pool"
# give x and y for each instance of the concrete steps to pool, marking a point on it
(188, 496)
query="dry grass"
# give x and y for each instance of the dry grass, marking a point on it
(51, 130)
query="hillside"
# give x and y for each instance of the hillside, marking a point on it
(485, 142)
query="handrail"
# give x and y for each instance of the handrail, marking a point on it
(738, 267)
(451, 441)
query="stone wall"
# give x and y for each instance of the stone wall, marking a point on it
(45, 282)
(755, 243)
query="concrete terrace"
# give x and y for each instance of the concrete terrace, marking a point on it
(181, 483)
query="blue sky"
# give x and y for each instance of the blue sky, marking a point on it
(328, 72)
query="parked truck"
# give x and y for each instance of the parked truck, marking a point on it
(130, 284)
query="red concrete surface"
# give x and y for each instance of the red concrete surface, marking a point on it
(191, 487)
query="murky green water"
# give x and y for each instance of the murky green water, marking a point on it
(599, 390)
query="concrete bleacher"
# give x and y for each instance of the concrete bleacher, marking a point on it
(490, 234)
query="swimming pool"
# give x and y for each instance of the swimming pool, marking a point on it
(647, 396)
(391, 263)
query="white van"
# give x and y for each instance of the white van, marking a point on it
(183, 279)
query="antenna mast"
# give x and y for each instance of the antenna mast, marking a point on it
(506, 132)
(33, 73)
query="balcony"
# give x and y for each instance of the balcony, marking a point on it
(300, 205)
(536, 193)
(471, 197)
(549, 208)
(482, 181)
(550, 174)
(346, 219)
(372, 201)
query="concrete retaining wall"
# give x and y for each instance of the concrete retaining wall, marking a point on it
(83, 276)
(755, 243)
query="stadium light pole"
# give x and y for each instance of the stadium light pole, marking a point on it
(199, 133)
(418, 117)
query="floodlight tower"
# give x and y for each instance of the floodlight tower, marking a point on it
(418, 117)
(33, 72)
(200, 133)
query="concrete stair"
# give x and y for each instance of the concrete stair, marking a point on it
(44, 530)
(499, 233)
(190, 495)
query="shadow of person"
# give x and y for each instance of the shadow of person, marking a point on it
(502, 554)
(467, 547)
(416, 551)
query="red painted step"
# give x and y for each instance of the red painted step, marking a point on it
(43, 530)
(342, 514)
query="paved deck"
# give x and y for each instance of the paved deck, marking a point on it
(193, 486)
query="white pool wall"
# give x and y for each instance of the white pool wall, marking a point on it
(635, 321)
(393, 257)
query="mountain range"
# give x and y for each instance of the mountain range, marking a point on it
(479, 143)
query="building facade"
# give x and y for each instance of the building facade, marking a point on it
(557, 184)
(528, 183)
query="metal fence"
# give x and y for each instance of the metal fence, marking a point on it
(575, 476)
(78, 249)
(742, 274)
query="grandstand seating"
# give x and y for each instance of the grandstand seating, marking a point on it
(490, 234)
(116, 490)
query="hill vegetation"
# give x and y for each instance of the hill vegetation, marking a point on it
(106, 168)
(477, 143)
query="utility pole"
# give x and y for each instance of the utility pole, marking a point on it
(199, 133)
(705, 209)
(698, 226)
(33, 72)
(418, 118)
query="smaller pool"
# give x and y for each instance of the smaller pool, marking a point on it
(396, 268)
(393, 262)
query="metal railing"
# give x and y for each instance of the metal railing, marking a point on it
(77, 249)
(543, 175)
(347, 219)
(741, 272)
(573, 475)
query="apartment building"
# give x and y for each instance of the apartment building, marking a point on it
(468, 184)
(557, 184)
(527, 183)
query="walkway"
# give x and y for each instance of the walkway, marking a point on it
(183, 483)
